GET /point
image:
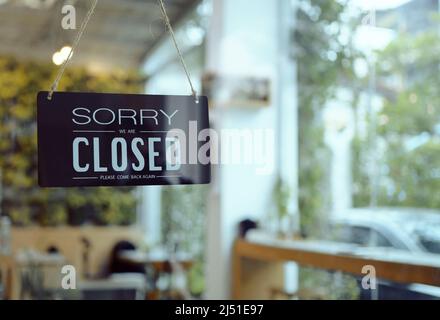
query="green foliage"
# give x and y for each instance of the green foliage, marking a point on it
(184, 225)
(331, 286)
(409, 123)
(183, 219)
(23, 200)
(325, 58)
(281, 196)
(325, 63)
(361, 179)
(196, 278)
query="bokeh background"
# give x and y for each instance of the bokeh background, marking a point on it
(349, 88)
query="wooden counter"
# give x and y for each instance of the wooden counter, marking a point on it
(258, 266)
(7, 270)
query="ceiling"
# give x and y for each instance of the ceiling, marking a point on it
(119, 35)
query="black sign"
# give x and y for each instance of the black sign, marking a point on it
(95, 139)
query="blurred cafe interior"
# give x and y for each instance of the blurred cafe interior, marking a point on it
(328, 173)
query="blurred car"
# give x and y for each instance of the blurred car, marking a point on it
(414, 230)
(391, 230)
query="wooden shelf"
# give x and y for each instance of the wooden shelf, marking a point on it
(267, 260)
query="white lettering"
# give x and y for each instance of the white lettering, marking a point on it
(76, 165)
(123, 145)
(75, 113)
(141, 162)
(153, 154)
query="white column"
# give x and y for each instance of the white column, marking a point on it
(249, 38)
(339, 123)
(149, 213)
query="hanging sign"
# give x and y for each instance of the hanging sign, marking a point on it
(95, 139)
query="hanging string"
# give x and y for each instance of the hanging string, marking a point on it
(173, 37)
(81, 32)
(75, 44)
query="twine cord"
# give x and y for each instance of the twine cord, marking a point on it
(173, 37)
(82, 30)
(74, 46)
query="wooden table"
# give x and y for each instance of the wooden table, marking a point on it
(258, 266)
